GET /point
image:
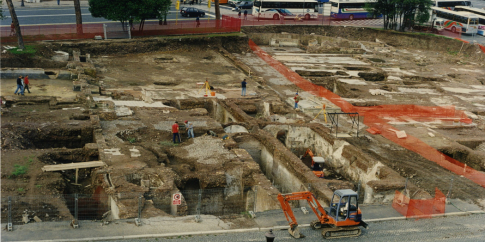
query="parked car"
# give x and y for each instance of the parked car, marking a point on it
(234, 3)
(192, 12)
(245, 5)
(277, 14)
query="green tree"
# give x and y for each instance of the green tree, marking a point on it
(399, 14)
(129, 11)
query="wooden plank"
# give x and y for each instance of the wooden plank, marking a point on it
(60, 167)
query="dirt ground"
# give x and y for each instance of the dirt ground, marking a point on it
(170, 74)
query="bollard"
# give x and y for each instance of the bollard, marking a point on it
(75, 221)
(138, 220)
(269, 236)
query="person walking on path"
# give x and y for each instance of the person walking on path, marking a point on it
(12, 29)
(243, 86)
(19, 90)
(239, 14)
(23, 86)
(26, 83)
(297, 99)
(175, 132)
(190, 129)
(198, 22)
(245, 14)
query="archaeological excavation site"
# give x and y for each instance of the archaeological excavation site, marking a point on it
(385, 114)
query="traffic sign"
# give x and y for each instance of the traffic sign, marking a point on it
(177, 199)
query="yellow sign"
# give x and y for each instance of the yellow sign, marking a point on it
(177, 5)
(209, 4)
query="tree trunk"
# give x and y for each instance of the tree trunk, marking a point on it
(16, 23)
(218, 13)
(79, 17)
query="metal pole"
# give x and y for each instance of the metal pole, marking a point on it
(139, 207)
(336, 128)
(449, 190)
(75, 207)
(77, 174)
(104, 29)
(358, 121)
(406, 186)
(9, 225)
(255, 198)
(199, 203)
(358, 189)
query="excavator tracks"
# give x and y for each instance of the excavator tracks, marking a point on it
(340, 232)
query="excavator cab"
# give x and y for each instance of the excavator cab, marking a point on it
(344, 206)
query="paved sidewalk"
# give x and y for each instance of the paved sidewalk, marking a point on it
(184, 226)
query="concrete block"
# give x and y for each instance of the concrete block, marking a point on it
(98, 37)
(25, 218)
(76, 55)
(137, 222)
(37, 219)
(60, 56)
(304, 210)
(123, 111)
(134, 153)
(113, 151)
(401, 134)
(75, 224)
(64, 75)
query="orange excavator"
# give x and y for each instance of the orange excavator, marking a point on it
(342, 219)
(317, 163)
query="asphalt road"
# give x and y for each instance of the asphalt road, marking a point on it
(66, 15)
(456, 228)
(54, 14)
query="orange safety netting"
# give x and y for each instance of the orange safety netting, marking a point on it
(419, 208)
(482, 47)
(375, 118)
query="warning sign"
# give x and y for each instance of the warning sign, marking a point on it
(177, 199)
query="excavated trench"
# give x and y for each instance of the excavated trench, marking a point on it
(91, 200)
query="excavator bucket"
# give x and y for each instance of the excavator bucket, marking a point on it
(296, 233)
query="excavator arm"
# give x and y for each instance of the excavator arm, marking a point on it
(308, 152)
(290, 217)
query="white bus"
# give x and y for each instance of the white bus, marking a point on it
(350, 9)
(481, 17)
(450, 4)
(457, 22)
(276, 9)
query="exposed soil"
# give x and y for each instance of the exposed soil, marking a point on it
(169, 72)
